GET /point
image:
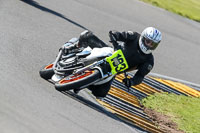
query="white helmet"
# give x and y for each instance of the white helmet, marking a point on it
(149, 39)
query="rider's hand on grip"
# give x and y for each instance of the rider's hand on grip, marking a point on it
(111, 36)
(127, 82)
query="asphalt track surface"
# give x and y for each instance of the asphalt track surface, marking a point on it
(31, 32)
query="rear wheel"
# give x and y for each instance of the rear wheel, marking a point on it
(78, 81)
(46, 72)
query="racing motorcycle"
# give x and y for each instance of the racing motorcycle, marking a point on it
(77, 70)
(65, 61)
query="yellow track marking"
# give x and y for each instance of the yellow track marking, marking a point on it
(124, 96)
(139, 121)
(133, 100)
(180, 87)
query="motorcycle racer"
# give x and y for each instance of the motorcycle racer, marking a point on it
(137, 49)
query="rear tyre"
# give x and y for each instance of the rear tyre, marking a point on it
(78, 81)
(46, 72)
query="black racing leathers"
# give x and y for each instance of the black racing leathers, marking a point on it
(136, 59)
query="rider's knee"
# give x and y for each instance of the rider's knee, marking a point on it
(85, 35)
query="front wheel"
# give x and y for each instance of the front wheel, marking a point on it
(46, 72)
(78, 81)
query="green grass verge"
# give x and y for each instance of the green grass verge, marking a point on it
(186, 8)
(183, 110)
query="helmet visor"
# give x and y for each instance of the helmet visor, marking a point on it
(149, 44)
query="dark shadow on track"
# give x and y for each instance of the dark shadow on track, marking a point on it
(98, 108)
(37, 5)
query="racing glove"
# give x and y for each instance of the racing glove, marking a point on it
(112, 36)
(113, 40)
(127, 82)
(136, 80)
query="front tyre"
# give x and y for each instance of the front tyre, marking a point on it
(46, 72)
(78, 81)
